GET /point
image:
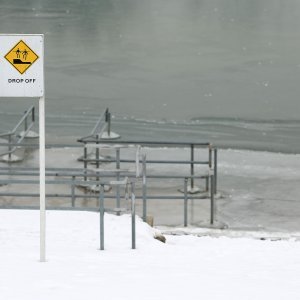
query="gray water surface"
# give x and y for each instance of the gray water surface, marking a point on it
(173, 61)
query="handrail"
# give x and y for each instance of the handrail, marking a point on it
(211, 162)
(24, 117)
(102, 124)
(27, 128)
(76, 178)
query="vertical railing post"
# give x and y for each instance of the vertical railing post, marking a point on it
(209, 166)
(97, 154)
(118, 202)
(144, 189)
(192, 167)
(33, 114)
(97, 158)
(25, 124)
(85, 160)
(101, 208)
(108, 121)
(26, 113)
(133, 215)
(215, 169)
(212, 200)
(9, 147)
(185, 203)
(73, 191)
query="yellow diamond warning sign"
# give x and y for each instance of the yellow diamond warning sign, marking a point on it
(21, 57)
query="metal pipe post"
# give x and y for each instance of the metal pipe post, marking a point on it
(97, 158)
(101, 207)
(207, 183)
(85, 161)
(25, 125)
(215, 169)
(108, 120)
(192, 166)
(97, 155)
(73, 191)
(42, 172)
(212, 200)
(33, 114)
(144, 189)
(118, 178)
(185, 203)
(9, 147)
(133, 215)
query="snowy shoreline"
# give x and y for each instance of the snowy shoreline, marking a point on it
(259, 190)
(185, 266)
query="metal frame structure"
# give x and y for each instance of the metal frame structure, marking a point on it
(14, 136)
(125, 182)
(74, 177)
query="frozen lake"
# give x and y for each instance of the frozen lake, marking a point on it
(183, 61)
(259, 190)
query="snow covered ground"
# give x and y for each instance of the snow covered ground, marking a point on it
(186, 267)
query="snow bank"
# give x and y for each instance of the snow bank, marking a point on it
(186, 267)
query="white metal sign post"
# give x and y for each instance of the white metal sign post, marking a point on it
(22, 75)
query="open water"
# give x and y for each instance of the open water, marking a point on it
(224, 71)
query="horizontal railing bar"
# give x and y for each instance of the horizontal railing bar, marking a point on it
(61, 181)
(37, 169)
(153, 144)
(51, 208)
(150, 161)
(96, 196)
(141, 142)
(48, 146)
(105, 175)
(6, 134)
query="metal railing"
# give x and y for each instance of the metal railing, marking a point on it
(15, 137)
(210, 177)
(211, 162)
(74, 177)
(103, 125)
